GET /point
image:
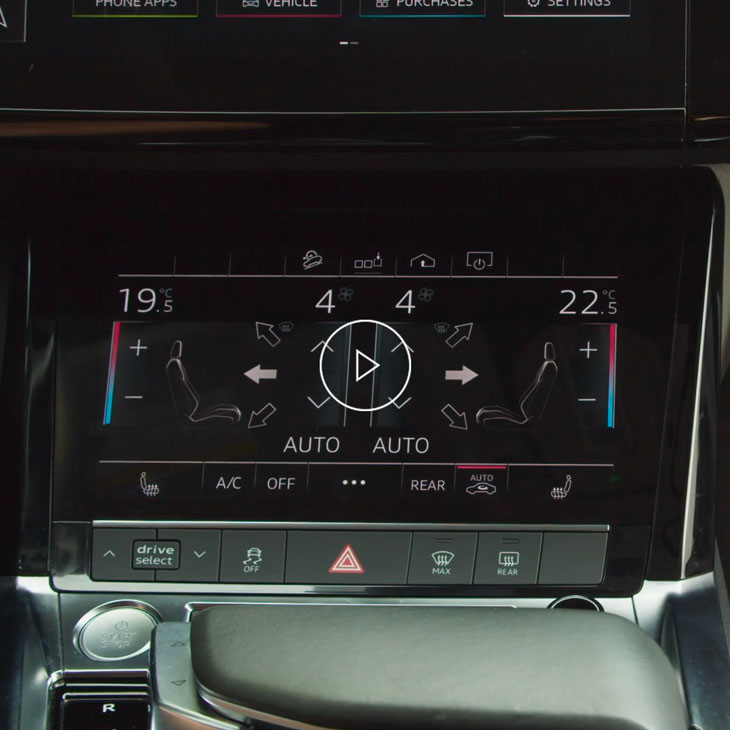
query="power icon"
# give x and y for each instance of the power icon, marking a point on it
(479, 260)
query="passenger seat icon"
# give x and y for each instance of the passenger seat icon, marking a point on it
(533, 400)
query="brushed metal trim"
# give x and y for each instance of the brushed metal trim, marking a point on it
(694, 454)
(241, 714)
(424, 113)
(363, 526)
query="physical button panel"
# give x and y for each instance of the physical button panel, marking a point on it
(356, 557)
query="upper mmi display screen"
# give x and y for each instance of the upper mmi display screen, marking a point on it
(343, 56)
(350, 362)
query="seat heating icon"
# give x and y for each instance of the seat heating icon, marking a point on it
(347, 562)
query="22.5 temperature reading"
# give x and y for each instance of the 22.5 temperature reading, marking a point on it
(146, 300)
(589, 302)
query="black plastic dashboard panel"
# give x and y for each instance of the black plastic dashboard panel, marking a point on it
(657, 213)
(344, 57)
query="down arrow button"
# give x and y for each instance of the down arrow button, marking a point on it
(199, 556)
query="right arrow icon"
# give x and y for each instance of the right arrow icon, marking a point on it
(465, 375)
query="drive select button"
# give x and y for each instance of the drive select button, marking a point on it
(156, 555)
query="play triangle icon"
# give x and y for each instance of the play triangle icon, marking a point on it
(347, 562)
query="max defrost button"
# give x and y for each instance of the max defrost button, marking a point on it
(442, 557)
(253, 556)
(279, 8)
(347, 557)
(508, 558)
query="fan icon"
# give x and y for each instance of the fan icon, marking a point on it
(425, 294)
(345, 294)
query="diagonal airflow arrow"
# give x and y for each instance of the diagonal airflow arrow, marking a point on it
(461, 333)
(260, 417)
(265, 332)
(456, 419)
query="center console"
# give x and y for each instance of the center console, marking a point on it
(392, 396)
(332, 321)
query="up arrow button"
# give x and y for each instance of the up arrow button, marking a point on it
(12, 21)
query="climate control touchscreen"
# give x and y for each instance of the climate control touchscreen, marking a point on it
(376, 380)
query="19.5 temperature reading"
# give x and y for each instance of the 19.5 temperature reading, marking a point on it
(589, 302)
(144, 301)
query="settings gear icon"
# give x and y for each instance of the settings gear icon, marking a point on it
(533, 3)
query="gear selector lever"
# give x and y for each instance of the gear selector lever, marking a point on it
(351, 667)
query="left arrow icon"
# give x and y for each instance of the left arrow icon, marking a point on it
(257, 374)
(3, 22)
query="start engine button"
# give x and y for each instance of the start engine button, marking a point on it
(115, 631)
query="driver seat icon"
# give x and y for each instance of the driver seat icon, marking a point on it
(186, 398)
(533, 400)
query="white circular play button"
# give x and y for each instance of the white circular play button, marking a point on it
(365, 365)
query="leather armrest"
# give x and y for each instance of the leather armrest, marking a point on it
(357, 667)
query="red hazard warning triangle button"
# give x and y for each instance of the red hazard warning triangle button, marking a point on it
(347, 562)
